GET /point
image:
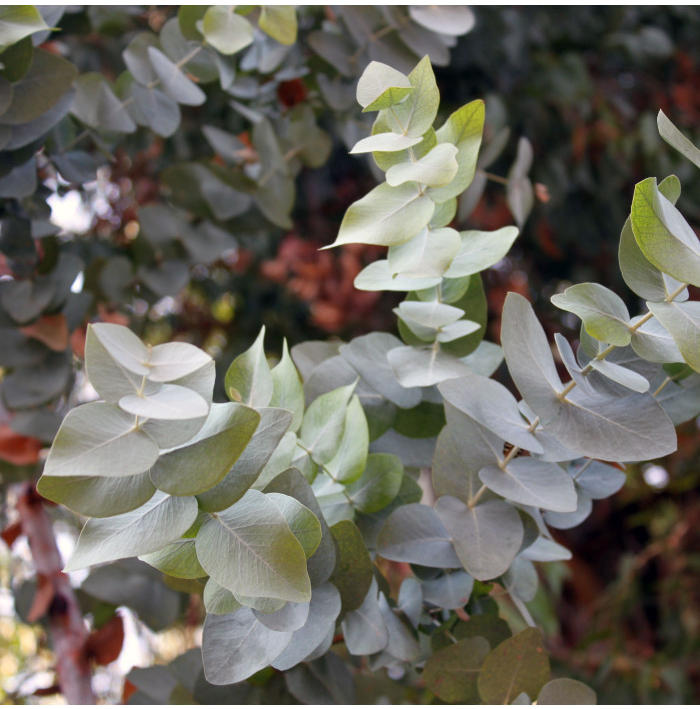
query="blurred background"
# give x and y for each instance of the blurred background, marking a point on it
(583, 85)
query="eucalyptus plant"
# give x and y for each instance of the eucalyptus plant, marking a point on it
(279, 502)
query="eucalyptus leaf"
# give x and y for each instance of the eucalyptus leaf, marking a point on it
(386, 216)
(682, 320)
(178, 559)
(97, 496)
(287, 391)
(385, 142)
(376, 80)
(368, 356)
(324, 422)
(425, 366)
(436, 168)
(532, 482)
(261, 447)
(451, 590)
(486, 537)
(250, 549)
(225, 30)
(492, 405)
(480, 250)
(517, 665)
(414, 534)
(302, 521)
(148, 528)
(427, 255)
(676, 139)
(364, 628)
(211, 453)
(604, 313)
(451, 673)
(249, 379)
(98, 439)
(237, 645)
(663, 235)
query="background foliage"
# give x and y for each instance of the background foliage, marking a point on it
(589, 116)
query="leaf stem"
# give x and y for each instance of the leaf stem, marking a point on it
(632, 328)
(494, 178)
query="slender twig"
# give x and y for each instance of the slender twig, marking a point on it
(66, 624)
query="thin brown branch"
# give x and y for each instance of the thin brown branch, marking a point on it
(66, 624)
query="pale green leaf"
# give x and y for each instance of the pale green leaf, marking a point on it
(173, 81)
(639, 273)
(663, 235)
(292, 483)
(451, 673)
(533, 482)
(18, 22)
(389, 97)
(367, 355)
(386, 216)
(425, 366)
(489, 403)
(415, 115)
(353, 573)
(452, 20)
(518, 665)
(379, 276)
(486, 537)
(682, 320)
(174, 360)
(436, 168)
(621, 375)
(566, 691)
(203, 461)
(302, 521)
(98, 439)
(519, 191)
(97, 496)
(596, 479)
(529, 357)
(219, 600)
(249, 379)
(324, 422)
(348, 463)
(376, 79)
(427, 255)
(237, 645)
(653, 342)
(226, 31)
(162, 520)
(480, 250)
(112, 353)
(259, 451)
(414, 534)
(378, 485)
(464, 128)
(385, 142)
(280, 22)
(364, 629)
(178, 559)
(40, 89)
(323, 612)
(676, 139)
(250, 550)
(451, 590)
(604, 313)
(628, 428)
(170, 403)
(291, 617)
(287, 391)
